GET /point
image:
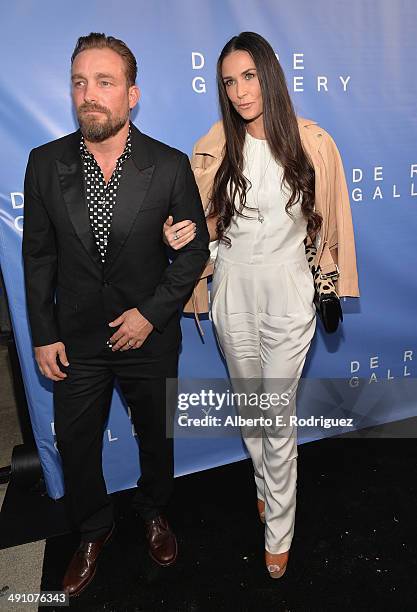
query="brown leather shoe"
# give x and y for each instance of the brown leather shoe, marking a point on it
(83, 565)
(162, 542)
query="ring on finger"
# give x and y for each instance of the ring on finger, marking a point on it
(176, 236)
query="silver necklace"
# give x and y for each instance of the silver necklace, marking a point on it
(260, 216)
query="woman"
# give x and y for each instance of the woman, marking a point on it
(270, 183)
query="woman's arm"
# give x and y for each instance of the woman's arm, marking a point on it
(212, 227)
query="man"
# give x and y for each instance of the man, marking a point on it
(103, 299)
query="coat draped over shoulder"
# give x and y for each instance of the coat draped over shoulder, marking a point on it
(336, 243)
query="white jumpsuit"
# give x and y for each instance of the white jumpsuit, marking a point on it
(263, 313)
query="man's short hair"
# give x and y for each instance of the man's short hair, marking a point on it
(96, 40)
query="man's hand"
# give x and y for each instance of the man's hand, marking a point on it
(133, 330)
(46, 359)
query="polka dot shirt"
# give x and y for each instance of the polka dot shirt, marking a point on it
(101, 198)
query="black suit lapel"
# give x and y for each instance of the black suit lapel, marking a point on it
(72, 185)
(134, 183)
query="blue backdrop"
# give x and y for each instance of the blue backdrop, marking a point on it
(349, 66)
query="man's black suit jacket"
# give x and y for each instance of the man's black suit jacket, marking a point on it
(71, 296)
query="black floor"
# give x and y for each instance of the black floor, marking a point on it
(354, 548)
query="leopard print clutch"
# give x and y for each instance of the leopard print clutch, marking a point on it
(326, 300)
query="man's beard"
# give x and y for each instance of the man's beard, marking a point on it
(95, 130)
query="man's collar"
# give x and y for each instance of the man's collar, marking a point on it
(142, 151)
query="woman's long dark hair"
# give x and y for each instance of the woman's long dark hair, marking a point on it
(282, 134)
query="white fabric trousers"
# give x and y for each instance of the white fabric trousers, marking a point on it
(265, 320)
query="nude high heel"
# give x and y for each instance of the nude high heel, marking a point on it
(276, 564)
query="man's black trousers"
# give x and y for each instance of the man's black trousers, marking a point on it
(81, 408)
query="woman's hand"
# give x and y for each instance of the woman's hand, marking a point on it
(178, 235)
